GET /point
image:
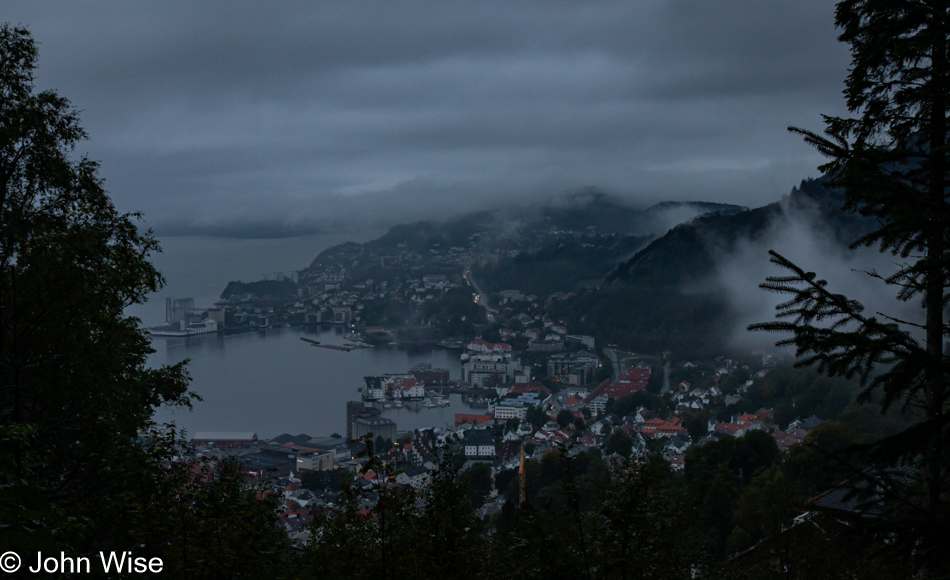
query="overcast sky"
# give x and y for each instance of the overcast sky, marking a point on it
(284, 118)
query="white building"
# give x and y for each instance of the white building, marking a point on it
(479, 444)
(509, 411)
(374, 388)
(587, 341)
(480, 346)
(488, 370)
(409, 388)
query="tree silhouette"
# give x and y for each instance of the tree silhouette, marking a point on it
(75, 392)
(891, 160)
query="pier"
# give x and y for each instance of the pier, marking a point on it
(332, 346)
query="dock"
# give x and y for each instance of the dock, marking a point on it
(335, 347)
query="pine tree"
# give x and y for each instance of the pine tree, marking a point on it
(891, 159)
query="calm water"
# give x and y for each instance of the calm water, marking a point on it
(272, 383)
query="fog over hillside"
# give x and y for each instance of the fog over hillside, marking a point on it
(297, 118)
(510, 211)
(799, 233)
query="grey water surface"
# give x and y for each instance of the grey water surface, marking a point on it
(271, 382)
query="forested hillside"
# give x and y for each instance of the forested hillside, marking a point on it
(666, 297)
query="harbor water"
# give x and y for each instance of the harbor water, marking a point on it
(272, 382)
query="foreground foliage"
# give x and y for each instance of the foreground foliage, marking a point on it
(83, 468)
(891, 159)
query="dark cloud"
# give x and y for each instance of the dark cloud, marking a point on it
(251, 117)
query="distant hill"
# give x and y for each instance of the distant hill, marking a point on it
(589, 234)
(538, 241)
(424, 235)
(685, 254)
(566, 265)
(663, 299)
(587, 211)
(643, 278)
(595, 209)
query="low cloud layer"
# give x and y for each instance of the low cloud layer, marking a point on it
(798, 234)
(268, 119)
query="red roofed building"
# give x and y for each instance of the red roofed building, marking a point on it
(587, 439)
(744, 422)
(746, 419)
(617, 390)
(507, 333)
(409, 388)
(729, 429)
(530, 388)
(634, 375)
(554, 435)
(740, 425)
(461, 418)
(629, 382)
(661, 427)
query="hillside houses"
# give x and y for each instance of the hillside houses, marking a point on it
(661, 427)
(479, 346)
(494, 367)
(393, 387)
(478, 444)
(745, 422)
(493, 439)
(628, 383)
(574, 368)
